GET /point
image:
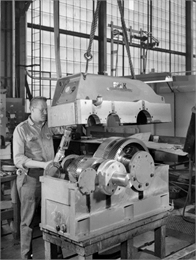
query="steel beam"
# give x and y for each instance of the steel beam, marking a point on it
(86, 36)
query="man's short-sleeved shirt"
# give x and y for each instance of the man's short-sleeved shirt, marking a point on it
(32, 142)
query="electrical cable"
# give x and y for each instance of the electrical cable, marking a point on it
(170, 87)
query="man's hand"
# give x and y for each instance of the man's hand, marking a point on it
(52, 169)
(47, 163)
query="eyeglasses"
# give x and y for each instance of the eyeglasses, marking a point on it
(42, 110)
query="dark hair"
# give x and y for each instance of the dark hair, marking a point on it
(35, 100)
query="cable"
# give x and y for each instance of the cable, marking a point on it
(88, 56)
(126, 38)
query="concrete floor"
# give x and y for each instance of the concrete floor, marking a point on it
(179, 234)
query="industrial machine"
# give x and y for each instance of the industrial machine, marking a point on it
(91, 99)
(120, 183)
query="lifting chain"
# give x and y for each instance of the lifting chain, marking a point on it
(126, 38)
(88, 56)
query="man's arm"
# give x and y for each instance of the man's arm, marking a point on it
(36, 164)
(20, 159)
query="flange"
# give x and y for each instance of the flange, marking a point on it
(124, 149)
(106, 171)
(141, 168)
(86, 181)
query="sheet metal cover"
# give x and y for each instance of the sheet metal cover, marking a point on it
(76, 87)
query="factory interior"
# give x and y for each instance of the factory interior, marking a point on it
(118, 79)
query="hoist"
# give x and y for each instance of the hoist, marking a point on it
(88, 56)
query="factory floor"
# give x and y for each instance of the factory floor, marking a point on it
(180, 233)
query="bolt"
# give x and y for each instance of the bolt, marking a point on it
(57, 228)
(64, 228)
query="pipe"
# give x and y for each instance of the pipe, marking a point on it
(42, 78)
(13, 51)
(0, 37)
(189, 36)
(176, 88)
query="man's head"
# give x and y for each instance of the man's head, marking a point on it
(38, 108)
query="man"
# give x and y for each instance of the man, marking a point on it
(32, 152)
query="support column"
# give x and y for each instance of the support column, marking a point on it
(57, 39)
(0, 49)
(189, 37)
(21, 9)
(102, 60)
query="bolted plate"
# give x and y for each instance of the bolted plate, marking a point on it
(141, 168)
(86, 181)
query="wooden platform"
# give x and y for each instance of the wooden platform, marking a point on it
(176, 242)
(122, 235)
(179, 242)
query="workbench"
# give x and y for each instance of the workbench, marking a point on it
(10, 209)
(123, 235)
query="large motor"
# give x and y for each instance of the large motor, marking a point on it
(119, 184)
(118, 162)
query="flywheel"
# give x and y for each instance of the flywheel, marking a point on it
(120, 149)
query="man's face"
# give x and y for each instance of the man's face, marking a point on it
(39, 112)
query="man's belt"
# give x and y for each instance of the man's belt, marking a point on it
(33, 172)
